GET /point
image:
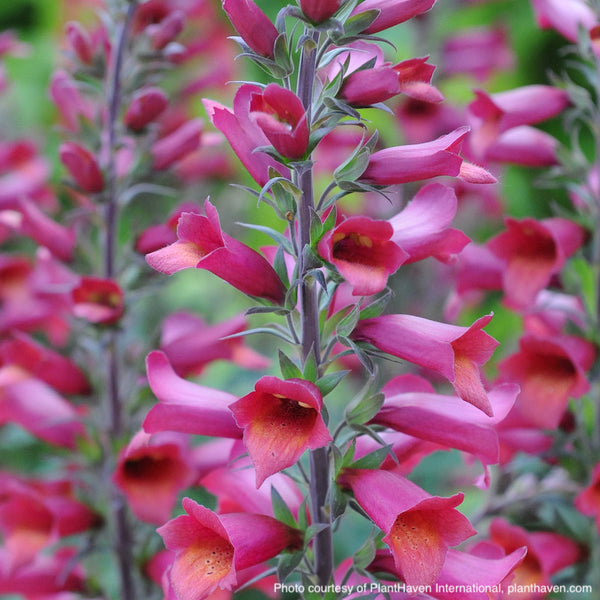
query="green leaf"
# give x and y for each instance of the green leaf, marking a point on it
(279, 238)
(339, 502)
(364, 556)
(374, 459)
(587, 283)
(282, 55)
(281, 510)
(358, 23)
(346, 326)
(311, 370)
(280, 266)
(365, 410)
(375, 308)
(287, 564)
(288, 368)
(360, 353)
(329, 382)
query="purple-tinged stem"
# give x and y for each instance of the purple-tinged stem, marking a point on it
(123, 534)
(319, 458)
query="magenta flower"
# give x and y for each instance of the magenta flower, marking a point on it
(550, 370)
(523, 145)
(547, 553)
(422, 228)
(82, 167)
(455, 352)
(98, 300)
(412, 407)
(145, 107)
(163, 33)
(282, 118)
(565, 16)
(45, 364)
(151, 471)
(361, 250)
(191, 344)
(244, 134)
(253, 25)
(478, 52)
(80, 41)
(281, 419)
(35, 406)
(404, 164)
(319, 10)
(392, 12)
(202, 244)
(71, 105)
(588, 500)
(210, 549)
(418, 527)
(532, 252)
(184, 406)
(176, 145)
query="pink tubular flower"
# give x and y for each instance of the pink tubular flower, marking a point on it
(565, 16)
(151, 471)
(523, 145)
(533, 251)
(45, 364)
(478, 52)
(161, 34)
(191, 344)
(319, 10)
(418, 527)
(282, 118)
(71, 105)
(281, 419)
(588, 500)
(82, 167)
(404, 164)
(455, 352)
(80, 41)
(392, 12)
(210, 549)
(23, 171)
(254, 27)
(243, 134)
(411, 406)
(184, 406)
(550, 370)
(361, 250)
(547, 553)
(146, 106)
(422, 227)
(98, 300)
(202, 244)
(177, 144)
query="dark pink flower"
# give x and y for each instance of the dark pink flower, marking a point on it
(281, 419)
(411, 406)
(23, 172)
(210, 549)
(254, 27)
(243, 134)
(191, 344)
(565, 16)
(418, 527)
(186, 407)
(98, 300)
(161, 34)
(45, 364)
(151, 471)
(282, 118)
(523, 145)
(547, 553)
(478, 52)
(404, 164)
(422, 228)
(533, 251)
(392, 12)
(176, 145)
(146, 106)
(80, 41)
(363, 253)
(319, 10)
(550, 370)
(202, 244)
(71, 105)
(588, 500)
(455, 352)
(82, 167)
